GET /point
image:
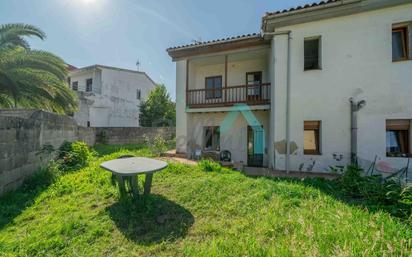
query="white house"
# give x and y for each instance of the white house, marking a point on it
(320, 84)
(109, 96)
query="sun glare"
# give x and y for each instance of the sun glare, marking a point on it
(88, 1)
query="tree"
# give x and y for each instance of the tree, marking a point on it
(31, 78)
(158, 110)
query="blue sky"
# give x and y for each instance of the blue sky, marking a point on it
(118, 32)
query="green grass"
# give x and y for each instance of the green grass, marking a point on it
(204, 214)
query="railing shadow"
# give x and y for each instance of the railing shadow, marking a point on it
(159, 219)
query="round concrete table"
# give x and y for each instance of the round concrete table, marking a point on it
(127, 169)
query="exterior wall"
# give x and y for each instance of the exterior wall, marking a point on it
(24, 132)
(181, 115)
(116, 136)
(233, 140)
(238, 65)
(356, 62)
(113, 101)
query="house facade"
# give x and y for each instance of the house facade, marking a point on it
(109, 96)
(324, 83)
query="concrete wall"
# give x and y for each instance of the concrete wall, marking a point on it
(356, 62)
(24, 132)
(113, 101)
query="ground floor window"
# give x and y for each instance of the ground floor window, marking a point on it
(211, 139)
(311, 145)
(398, 138)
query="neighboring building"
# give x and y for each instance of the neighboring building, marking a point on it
(297, 78)
(108, 96)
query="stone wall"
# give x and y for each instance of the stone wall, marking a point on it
(24, 132)
(115, 136)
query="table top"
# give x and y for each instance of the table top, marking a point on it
(133, 166)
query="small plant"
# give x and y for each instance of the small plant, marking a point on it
(209, 166)
(157, 146)
(73, 155)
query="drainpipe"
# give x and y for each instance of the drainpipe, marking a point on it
(354, 109)
(272, 34)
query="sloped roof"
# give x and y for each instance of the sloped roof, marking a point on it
(306, 6)
(216, 41)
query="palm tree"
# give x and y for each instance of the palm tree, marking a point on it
(31, 78)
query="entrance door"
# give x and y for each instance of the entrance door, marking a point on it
(255, 146)
(254, 81)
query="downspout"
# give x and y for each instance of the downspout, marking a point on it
(287, 161)
(288, 73)
(354, 109)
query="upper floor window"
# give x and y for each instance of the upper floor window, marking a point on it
(312, 53)
(75, 85)
(400, 43)
(138, 94)
(89, 83)
(398, 138)
(253, 80)
(311, 144)
(213, 87)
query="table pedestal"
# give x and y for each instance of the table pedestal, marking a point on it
(132, 182)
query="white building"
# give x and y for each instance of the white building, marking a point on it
(297, 78)
(108, 96)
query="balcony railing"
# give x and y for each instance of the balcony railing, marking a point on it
(255, 94)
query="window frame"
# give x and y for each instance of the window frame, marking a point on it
(214, 94)
(75, 85)
(397, 125)
(404, 29)
(214, 130)
(87, 85)
(138, 94)
(319, 65)
(316, 126)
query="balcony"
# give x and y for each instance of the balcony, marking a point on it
(255, 94)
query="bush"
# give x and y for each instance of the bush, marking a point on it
(158, 146)
(388, 195)
(73, 155)
(208, 165)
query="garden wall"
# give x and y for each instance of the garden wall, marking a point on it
(24, 132)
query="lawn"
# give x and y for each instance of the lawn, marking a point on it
(192, 213)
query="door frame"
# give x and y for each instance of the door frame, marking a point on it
(254, 163)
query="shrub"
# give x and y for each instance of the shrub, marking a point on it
(388, 195)
(158, 146)
(73, 155)
(208, 165)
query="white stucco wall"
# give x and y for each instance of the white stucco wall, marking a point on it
(356, 62)
(113, 101)
(234, 139)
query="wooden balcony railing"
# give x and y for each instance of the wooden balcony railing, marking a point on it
(227, 96)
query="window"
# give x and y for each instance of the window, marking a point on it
(89, 83)
(254, 78)
(75, 85)
(138, 94)
(311, 144)
(88, 124)
(211, 138)
(312, 54)
(397, 138)
(400, 46)
(213, 87)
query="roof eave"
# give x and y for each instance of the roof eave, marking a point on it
(215, 47)
(326, 11)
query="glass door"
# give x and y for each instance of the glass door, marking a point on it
(255, 146)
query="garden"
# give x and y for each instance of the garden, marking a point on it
(72, 208)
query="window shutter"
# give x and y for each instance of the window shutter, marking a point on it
(397, 124)
(311, 125)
